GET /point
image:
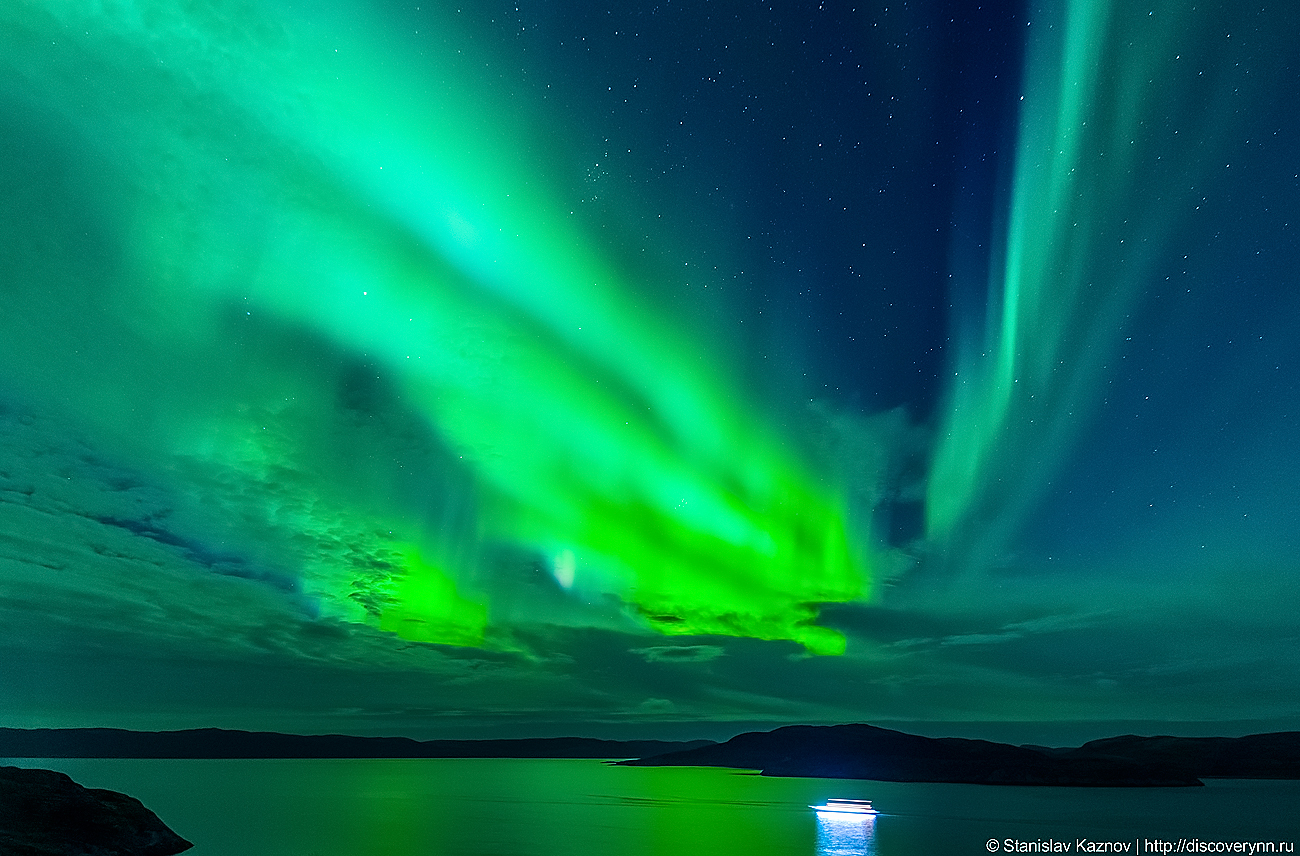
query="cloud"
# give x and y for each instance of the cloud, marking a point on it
(1008, 632)
(656, 706)
(680, 653)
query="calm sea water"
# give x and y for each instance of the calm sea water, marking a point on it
(586, 808)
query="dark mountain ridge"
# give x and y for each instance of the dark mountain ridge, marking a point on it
(867, 752)
(222, 743)
(1256, 756)
(855, 751)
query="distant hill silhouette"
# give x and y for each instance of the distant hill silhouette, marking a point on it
(867, 752)
(220, 743)
(835, 751)
(1257, 756)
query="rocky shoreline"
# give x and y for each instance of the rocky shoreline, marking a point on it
(44, 813)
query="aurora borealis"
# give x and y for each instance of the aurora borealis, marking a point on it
(548, 368)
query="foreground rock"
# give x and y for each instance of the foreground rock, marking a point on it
(867, 752)
(44, 813)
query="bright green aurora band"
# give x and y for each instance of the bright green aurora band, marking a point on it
(270, 242)
(1128, 110)
(294, 183)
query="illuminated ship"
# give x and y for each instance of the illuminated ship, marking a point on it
(846, 807)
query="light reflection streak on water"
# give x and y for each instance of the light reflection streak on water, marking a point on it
(840, 834)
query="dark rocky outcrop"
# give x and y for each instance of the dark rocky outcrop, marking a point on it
(44, 813)
(221, 743)
(867, 752)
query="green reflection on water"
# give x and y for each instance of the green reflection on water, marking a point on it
(508, 807)
(462, 807)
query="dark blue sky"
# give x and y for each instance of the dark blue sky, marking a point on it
(843, 160)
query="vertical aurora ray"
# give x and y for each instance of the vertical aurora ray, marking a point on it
(291, 197)
(1126, 118)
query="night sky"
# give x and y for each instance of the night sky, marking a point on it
(650, 369)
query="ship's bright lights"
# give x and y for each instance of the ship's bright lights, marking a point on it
(856, 808)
